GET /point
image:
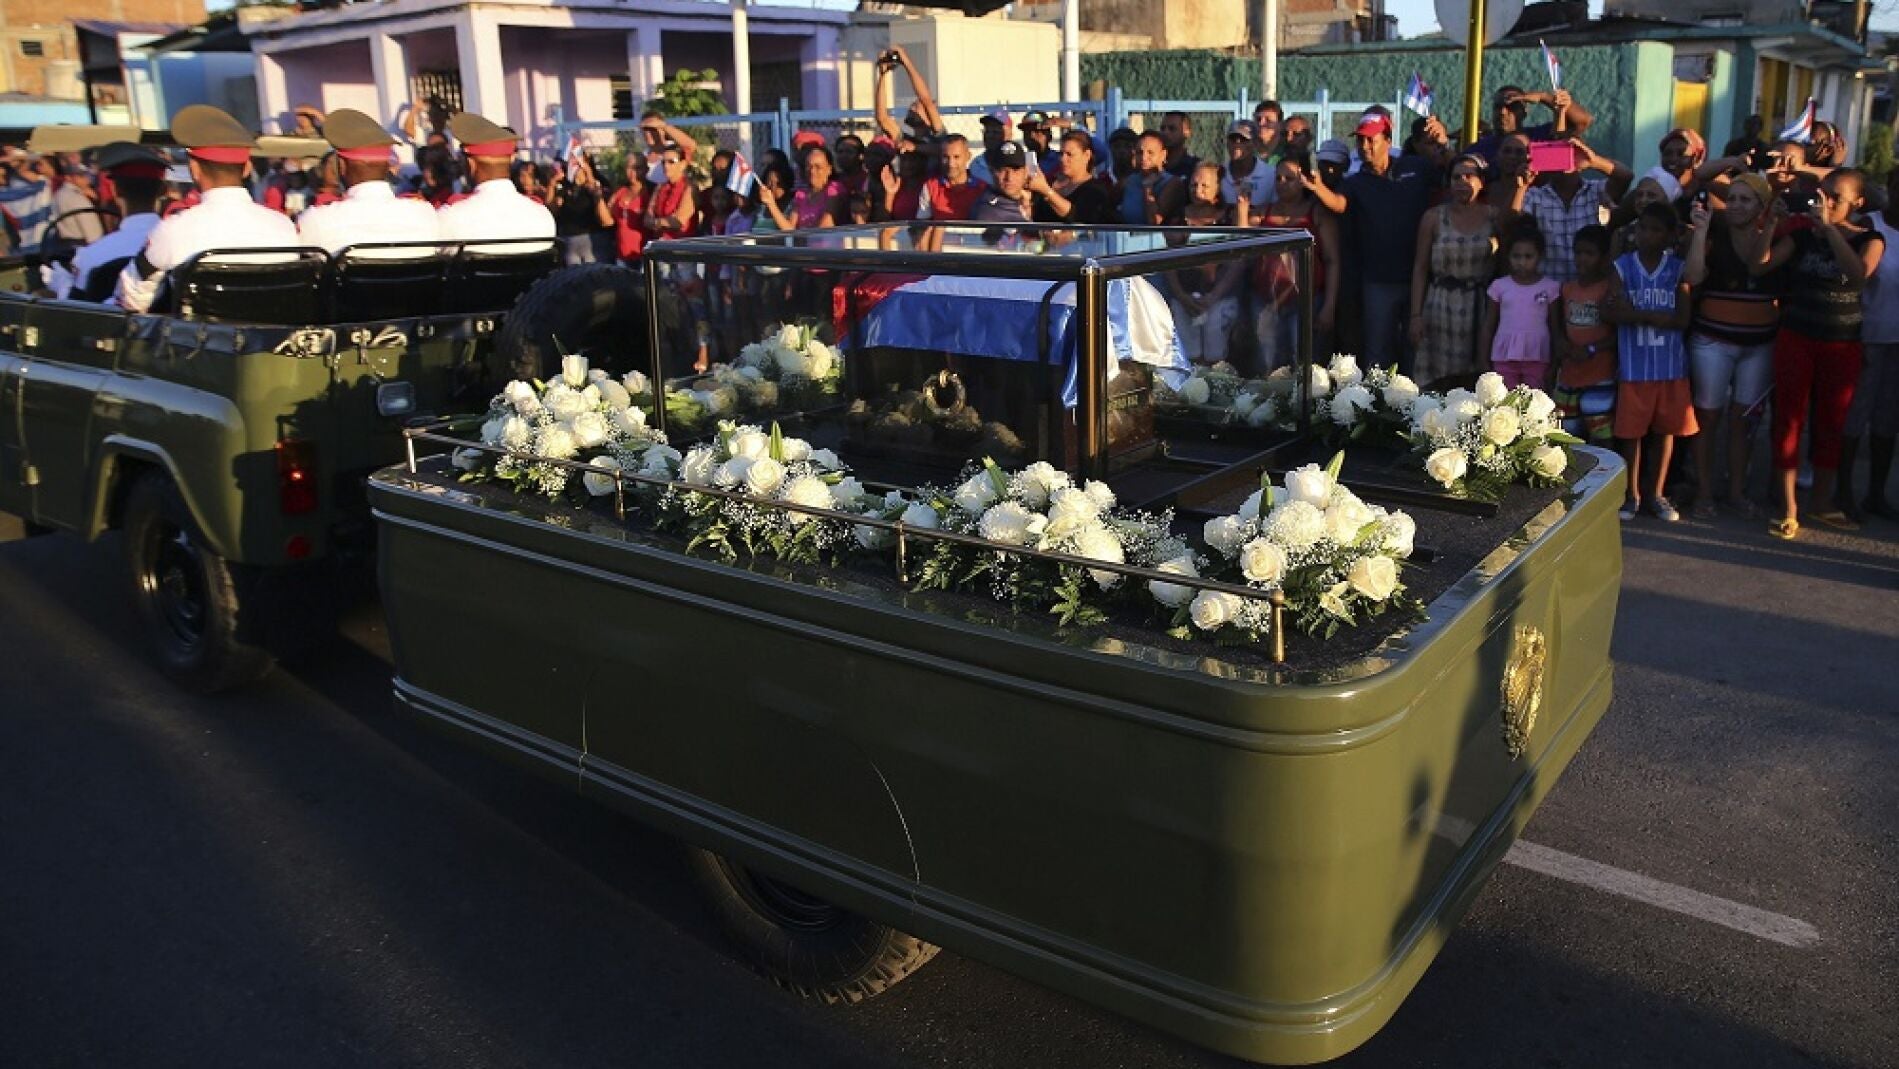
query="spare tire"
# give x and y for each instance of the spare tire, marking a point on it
(594, 310)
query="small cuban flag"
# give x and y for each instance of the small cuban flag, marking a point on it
(572, 154)
(740, 178)
(1802, 128)
(1418, 97)
(1551, 63)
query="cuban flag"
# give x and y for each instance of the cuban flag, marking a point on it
(1418, 97)
(1551, 63)
(740, 178)
(576, 148)
(1802, 128)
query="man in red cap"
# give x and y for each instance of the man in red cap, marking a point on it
(370, 209)
(495, 209)
(138, 180)
(1384, 201)
(218, 150)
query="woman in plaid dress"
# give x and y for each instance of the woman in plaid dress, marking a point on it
(1456, 258)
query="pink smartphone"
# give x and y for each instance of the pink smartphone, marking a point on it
(1552, 156)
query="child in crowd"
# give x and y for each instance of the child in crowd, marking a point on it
(1585, 346)
(1520, 321)
(1648, 302)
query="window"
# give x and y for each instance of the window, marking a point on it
(32, 48)
(445, 86)
(622, 88)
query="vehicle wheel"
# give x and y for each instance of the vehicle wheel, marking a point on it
(187, 597)
(597, 310)
(803, 943)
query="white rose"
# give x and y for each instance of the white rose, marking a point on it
(1346, 518)
(613, 394)
(1072, 508)
(1263, 413)
(1425, 404)
(764, 475)
(635, 383)
(1344, 370)
(1490, 388)
(1438, 422)
(976, 494)
(556, 441)
(789, 336)
(1348, 403)
(1007, 523)
(589, 429)
(491, 431)
(596, 375)
(573, 371)
(1037, 482)
(1374, 577)
(1224, 534)
(1100, 494)
(846, 494)
(1549, 460)
(592, 395)
(1540, 406)
(659, 460)
(1463, 405)
(750, 443)
(698, 467)
(1320, 384)
(468, 459)
(807, 490)
(630, 422)
(1501, 425)
(826, 460)
(1244, 404)
(1295, 524)
(1311, 484)
(1447, 466)
(1173, 595)
(1098, 543)
(819, 359)
(732, 473)
(1213, 609)
(565, 404)
(1401, 393)
(796, 449)
(1196, 391)
(521, 396)
(598, 483)
(516, 433)
(1249, 509)
(790, 361)
(1262, 561)
(1333, 601)
(921, 515)
(1400, 531)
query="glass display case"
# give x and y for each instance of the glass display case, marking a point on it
(912, 349)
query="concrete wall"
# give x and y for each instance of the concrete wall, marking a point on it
(965, 61)
(330, 77)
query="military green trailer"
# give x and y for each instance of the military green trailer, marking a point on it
(228, 433)
(1258, 848)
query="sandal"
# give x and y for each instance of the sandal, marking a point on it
(1837, 520)
(1786, 530)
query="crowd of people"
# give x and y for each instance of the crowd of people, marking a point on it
(1698, 301)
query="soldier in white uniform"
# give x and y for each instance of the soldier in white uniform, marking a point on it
(219, 151)
(370, 211)
(138, 180)
(495, 209)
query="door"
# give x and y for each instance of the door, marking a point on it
(70, 348)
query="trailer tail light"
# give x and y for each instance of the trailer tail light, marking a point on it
(296, 477)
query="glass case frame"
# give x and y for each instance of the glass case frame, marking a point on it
(1093, 257)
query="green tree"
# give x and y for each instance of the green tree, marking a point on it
(690, 92)
(1875, 156)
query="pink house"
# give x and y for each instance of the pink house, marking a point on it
(532, 63)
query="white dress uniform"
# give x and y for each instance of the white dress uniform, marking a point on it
(496, 210)
(226, 218)
(369, 212)
(127, 240)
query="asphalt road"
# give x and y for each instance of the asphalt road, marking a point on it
(298, 875)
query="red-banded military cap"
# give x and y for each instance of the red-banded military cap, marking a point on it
(356, 136)
(481, 137)
(123, 159)
(211, 134)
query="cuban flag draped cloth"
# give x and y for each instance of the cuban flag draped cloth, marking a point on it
(1002, 319)
(1418, 97)
(1802, 128)
(1550, 63)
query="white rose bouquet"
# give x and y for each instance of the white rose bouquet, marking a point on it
(790, 368)
(776, 471)
(584, 416)
(1477, 442)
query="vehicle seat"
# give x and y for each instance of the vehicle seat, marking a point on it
(218, 287)
(100, 282)
(388, 285)
(492, 282)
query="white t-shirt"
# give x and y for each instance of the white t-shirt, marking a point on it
(495, 210)
(226, 218)
(127, 240)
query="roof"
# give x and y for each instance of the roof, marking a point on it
(219, 33)
(105, 28)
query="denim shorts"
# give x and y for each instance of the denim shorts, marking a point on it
(1727, 373)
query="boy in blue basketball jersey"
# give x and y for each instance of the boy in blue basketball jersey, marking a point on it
(1648, 302)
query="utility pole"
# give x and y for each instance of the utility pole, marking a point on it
(1269, 51)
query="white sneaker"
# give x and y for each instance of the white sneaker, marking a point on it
(1665, 511)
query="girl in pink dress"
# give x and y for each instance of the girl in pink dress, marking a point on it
(1522, 310)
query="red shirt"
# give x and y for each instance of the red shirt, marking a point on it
(953, 202)
(628, 206)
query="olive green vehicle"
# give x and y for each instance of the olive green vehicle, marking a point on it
(229, 436)
(1259, 855)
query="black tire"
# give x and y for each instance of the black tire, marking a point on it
(598, 310)
(801, 943)
(187, 597)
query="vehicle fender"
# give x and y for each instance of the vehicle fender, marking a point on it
(119, 452)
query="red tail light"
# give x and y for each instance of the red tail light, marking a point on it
(296, 477)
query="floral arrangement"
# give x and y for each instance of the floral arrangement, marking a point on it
(768, 468)
(1347, 404)
(1335, 559)
(585, 416)
(1478, 441)
(790, 369)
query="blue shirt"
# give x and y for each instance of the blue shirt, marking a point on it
(1382, 213)
(1650, 354)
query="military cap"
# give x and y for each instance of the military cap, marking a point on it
(211, 134)
(356, 136)
(480, 137)
(123, 159)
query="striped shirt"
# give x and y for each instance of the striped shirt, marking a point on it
(1559, 222)
(1644, 353)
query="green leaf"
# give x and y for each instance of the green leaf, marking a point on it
(996, 478)
(1265, 494)
(1335, 465)
(777, 443)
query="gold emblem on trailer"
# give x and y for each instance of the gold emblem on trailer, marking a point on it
(1523, 688)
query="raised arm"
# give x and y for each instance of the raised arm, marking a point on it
(879, 109)
(1696, 270)
(1619, 176)
(925, 102)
